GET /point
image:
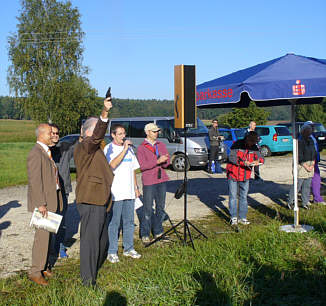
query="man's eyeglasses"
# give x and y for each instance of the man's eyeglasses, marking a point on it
(54, 133)
(154, 131)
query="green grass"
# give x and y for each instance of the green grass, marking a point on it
(13, 158)
(260, 265)
(17, 131)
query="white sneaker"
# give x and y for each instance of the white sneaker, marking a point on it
(234, 221)
(244, 221)
(113, 258)
(145, 240)
(132, 254)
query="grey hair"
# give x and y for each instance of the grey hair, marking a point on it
(306, 126)
(88, 125)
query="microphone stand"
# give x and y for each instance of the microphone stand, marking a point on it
(185, 221)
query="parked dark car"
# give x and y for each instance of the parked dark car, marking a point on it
(72, 138)
(319, 132)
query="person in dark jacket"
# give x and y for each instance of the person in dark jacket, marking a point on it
(306, 160)
(243, 157)
(62, 153)
(93, 195)
(214, 140)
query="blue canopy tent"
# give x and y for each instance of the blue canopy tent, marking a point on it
(287, 80)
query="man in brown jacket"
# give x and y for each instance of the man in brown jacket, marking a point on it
(94, 180)
(44, 194)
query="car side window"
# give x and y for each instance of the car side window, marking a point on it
(262, 131)
(166, 127)
(137, 129)
(70, 139)
(125, 124)
(227, 135)
(282, 131)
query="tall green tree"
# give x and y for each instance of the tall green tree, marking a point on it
(46, 69)
(314, 112)
(241, 117)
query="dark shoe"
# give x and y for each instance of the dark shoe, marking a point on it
(47, 273)
(38, 279)
(290, 205)
(305, 206)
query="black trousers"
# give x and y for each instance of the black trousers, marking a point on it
(93, 241)
(256, 170)
(213, 153)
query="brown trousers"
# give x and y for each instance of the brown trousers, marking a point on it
(40, 251)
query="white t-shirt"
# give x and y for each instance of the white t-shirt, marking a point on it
(123, 186)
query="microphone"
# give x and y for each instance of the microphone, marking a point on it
(131, 145)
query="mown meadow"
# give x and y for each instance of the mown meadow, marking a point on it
(259, 265)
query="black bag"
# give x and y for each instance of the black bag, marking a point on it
(180, 191)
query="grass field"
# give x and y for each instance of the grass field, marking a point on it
(17, 137)
(260, 265)
(17, 131)
(13, 158)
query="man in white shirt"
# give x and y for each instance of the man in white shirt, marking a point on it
(124, 190)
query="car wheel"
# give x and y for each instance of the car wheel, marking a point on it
(265, 151)
(178, 163)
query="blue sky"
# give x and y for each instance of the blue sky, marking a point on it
(133, 45)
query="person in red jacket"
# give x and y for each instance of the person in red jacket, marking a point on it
(243, 157)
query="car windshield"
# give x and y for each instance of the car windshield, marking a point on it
(318, 127)
(240, 133)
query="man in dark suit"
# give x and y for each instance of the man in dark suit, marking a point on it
(93, 195)
(44, 194)
(62, 153)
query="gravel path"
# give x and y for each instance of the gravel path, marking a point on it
(206, 193)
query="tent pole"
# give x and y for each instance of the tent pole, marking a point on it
(295, 163)
(296, 228)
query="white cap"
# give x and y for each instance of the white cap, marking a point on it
(151, 127)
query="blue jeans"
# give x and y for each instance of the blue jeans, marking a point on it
(150, 220)
(243, 192)
(59, 238)
(121, 209)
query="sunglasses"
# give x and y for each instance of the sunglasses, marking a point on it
(54, 133)
(154, 131)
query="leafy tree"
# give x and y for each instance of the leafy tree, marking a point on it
(241, 117)
(46, 71)
(314, 112)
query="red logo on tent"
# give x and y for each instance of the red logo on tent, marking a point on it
(298, 89)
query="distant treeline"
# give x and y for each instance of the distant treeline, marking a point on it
(10, 109)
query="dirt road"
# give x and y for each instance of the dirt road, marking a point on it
(206, 192)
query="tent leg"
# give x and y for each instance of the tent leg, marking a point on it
(295, 164)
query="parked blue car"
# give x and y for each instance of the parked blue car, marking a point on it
(274, 139)
(231, 136)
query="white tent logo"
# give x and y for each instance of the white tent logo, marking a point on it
(298, 89)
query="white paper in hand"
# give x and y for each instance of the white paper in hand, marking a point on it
(51, 223)
(138, 203)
